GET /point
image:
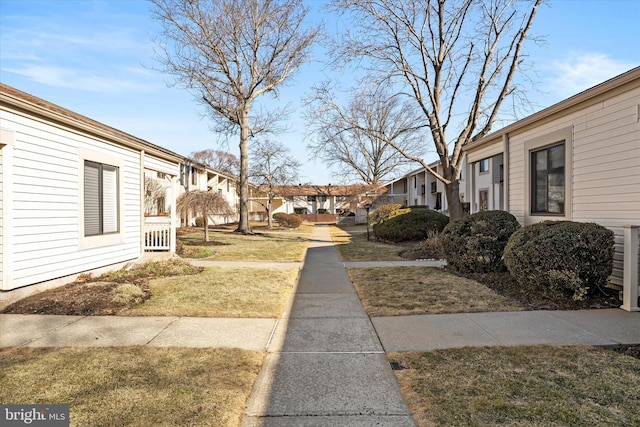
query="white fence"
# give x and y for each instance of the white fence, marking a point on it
(157, 234)
(631, 260)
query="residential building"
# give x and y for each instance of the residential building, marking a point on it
(577, 160)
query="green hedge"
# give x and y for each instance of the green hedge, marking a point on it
(574, 257)
(409, 225)
(476, 242)
(383, 212)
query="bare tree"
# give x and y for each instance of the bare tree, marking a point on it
(365, 138)
(203, 203)
(272, 168)
(229, 53)
(455, 59)
(219, 160)
(153, 191)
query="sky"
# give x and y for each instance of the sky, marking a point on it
(95, 57)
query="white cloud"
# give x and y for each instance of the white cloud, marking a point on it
(85, 80)
(580, 71)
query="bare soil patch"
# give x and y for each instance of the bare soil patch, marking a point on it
(106, 295)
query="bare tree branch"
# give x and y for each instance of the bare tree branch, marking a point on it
(218, 160)
(203, 203)
(272, 168)
(456, 60)
(229, 53)
(363, 138)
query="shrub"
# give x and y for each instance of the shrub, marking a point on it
(409, 224)
(199, 221)
(475, 243)
(287, 220)
(429, 248)
(383, 212)
(573, 257)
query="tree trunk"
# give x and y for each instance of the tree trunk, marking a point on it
(452, 191)
(268, 209)
(243, 223)
(205, 222)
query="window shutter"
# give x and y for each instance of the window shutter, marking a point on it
(91, 199)
(110, 199)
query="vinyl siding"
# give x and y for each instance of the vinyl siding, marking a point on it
(605, 166)
(606, 169)
(159, 165)
(608, 140)
(46, 203)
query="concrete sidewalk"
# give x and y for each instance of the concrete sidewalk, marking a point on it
(325, 361)
(17, 330)
(325, 365)
(439, 331)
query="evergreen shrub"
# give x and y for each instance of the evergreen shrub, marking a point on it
(574, 257)
(409, 224)
(475, 243)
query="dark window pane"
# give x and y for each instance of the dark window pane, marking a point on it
(547, 180)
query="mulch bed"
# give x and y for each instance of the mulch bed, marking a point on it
(506, 285)
(77, 299)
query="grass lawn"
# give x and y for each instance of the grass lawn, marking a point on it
(220, 292)
(133, 386)
(352, 245)
(225, 245)
(398, 291)
(524, 386)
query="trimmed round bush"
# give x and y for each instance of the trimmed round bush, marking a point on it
(409, 224)
(475, 243)
(574, 257)
(287, 220)
(383, 212)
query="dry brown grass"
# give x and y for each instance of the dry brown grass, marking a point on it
(133, 386)
(353, 246)
(397, 291)
(524, 386)
(220, 292)
(229, 246)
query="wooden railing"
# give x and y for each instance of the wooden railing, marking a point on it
(157, 234)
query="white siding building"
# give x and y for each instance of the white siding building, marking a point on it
(71, 195)
(420, 188)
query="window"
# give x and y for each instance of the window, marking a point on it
(322, 198)
(162, 175)
(311, 198)
(194, 176)
(434, 187)
(547, 180)
(161, 205)
(484, 165)
(101, 204)
(484, 200)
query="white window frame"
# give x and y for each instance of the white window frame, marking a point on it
(562, 135)
(486, 168)
(100, 240)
